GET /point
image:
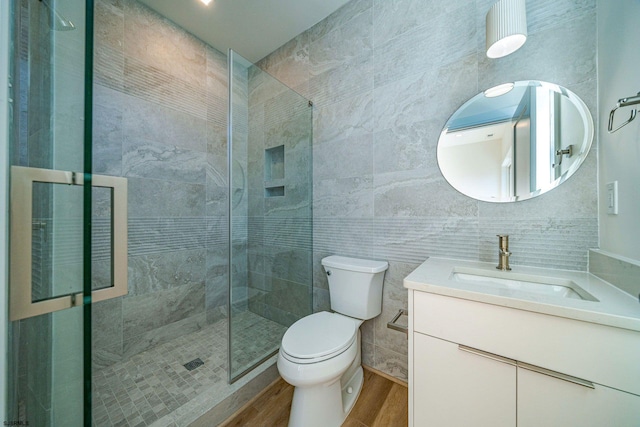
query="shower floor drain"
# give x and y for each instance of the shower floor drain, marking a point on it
(193, 364)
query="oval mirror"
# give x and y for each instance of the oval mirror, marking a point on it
(515, 141)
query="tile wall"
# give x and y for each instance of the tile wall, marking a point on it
(384, 77)
(160, 121)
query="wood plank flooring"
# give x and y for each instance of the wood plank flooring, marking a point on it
(382, 403)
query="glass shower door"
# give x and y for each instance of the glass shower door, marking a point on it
(49, 215)
(270, 187)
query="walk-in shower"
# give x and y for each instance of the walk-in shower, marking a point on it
(215, 155)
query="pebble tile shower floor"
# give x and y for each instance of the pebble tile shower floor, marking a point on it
(147, 388)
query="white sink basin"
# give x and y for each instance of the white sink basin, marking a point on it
(506, 280)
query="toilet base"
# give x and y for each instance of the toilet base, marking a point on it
(327, 405)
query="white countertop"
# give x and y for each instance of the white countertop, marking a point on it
(613, 308)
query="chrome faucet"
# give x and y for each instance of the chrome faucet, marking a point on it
(503, 252)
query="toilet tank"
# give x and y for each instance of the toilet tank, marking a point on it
(355, 285)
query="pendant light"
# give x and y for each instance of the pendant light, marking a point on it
(506, 27)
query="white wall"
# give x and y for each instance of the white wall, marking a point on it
(619, 77)
(4, 156)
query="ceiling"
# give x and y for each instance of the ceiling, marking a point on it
(253, 28)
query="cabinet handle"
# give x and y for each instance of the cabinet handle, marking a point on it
(487, 355)
(554, 374)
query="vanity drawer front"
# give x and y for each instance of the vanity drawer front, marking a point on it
(600, 354)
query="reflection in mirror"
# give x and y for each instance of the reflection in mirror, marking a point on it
(515, 141)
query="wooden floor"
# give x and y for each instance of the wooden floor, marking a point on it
(382, 403)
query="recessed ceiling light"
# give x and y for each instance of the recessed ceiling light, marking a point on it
(206, 2)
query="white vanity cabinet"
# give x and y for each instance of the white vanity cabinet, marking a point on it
(551, 402)
(477, 364)
(458, 388)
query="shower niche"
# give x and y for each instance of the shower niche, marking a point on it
(274, 170)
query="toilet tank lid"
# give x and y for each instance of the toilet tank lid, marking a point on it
(355, 264)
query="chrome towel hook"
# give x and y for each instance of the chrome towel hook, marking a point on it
(624, 102)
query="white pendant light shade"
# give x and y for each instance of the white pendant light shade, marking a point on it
(506, 27)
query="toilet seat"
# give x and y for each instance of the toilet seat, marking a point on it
(319, 337)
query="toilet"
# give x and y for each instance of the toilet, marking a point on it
(320, 354)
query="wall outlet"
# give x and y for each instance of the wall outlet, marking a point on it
(612, 198)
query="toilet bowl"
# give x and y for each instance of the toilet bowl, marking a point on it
(320, 354)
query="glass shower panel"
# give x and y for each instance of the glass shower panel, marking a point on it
(45, 381)
(270, 182)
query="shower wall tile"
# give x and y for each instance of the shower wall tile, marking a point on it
(161, 87)
(153, 198)
(144, 313)
(160, 120)
(107, 131)
(157, 272)
(155, 337)
(159, 43)
(108, 67)
(107, 315)
(156, 122)
(290, 62)
(109, 24)
(149, 159)
(217, 74)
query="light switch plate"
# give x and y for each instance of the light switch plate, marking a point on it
(612, 198)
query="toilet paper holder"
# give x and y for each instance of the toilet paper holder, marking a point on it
(393, 325)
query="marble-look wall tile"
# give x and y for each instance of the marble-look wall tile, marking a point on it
(161, 44)
(437, 92)
(157, 272)
(418, 194)
(441, 41)
(152, 84)
(330, 51)
(153, 198)
(150, 339)
(346, 119)
(345, 197)
(343, 16)
(149, 159)
(109, 24)
(106, 318)
(290, 62)
(156, 122)
(343, 158)
(107, 131)
(393, 18)
(144, 313)
(391, 362)
(620, 272)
